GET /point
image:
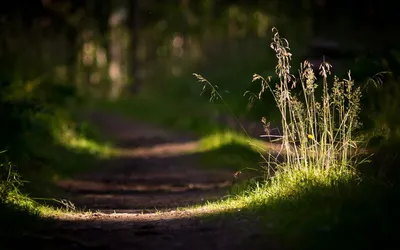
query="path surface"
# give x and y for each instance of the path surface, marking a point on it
(137, 195)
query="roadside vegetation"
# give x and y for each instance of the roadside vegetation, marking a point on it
(331, 188)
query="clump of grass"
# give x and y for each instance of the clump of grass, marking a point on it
(317, 129)
(19, 213)
(321, 127)
(10, 183)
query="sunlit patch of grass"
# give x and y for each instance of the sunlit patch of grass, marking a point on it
(18, 212)
(230, 150)
(58, 147)
(68, 136)
(284, 185)
(311, 209)
(14, 201)
(219, 139)
(21, 215)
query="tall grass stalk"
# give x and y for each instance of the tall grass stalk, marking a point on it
(317, 128)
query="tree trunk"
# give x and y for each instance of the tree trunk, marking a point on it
(134, 23)
(118, 48)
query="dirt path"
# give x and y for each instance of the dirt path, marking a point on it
(137, 195)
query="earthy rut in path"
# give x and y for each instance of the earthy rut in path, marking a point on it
(137, 194)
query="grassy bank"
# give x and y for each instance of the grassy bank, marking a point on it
(309, 209)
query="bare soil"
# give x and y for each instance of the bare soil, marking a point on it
(135, 197)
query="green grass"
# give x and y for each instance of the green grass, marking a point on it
(19, 213)
(231, 150)
(308, 209)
